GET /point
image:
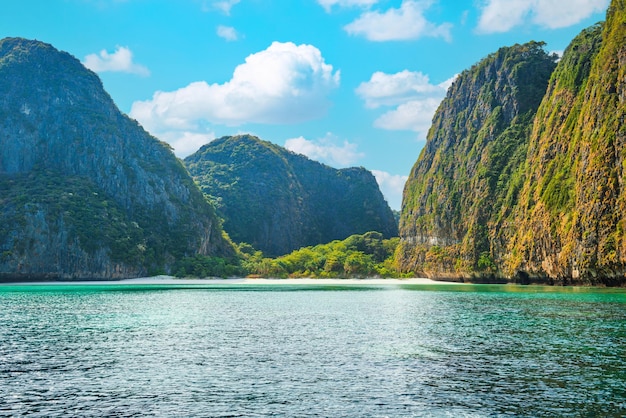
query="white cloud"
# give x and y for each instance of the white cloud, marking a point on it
(445, 85)
(119, 61)
(326, 150)
(502, 15)
(185, 143)
(328, 4)
(416, 115)
(407, 22)
(557, 14)
(414, 97)
(227, 32)
(392, 187)
(558, 52)
(284, 83)
(224, 5)
(392, 89)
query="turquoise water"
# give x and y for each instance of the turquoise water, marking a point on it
(280, 350)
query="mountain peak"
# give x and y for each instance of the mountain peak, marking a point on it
(86, 192)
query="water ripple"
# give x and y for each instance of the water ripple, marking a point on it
(384, 352)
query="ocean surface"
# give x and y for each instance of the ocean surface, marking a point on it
(311, 350)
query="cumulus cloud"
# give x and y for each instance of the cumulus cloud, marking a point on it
(227, 32)
(392, 187)
(412, 94)
(406, 23)
(326, 150)
(328, 4)
(502, 15)
(285, 83)
(119, 61)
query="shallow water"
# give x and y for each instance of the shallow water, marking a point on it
(370, 351)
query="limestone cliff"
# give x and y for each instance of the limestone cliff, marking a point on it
(85, 191)
(279, 201)
(458, 195)
(554, 210)
(572, 209)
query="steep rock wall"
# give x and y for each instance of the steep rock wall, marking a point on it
(103, 174)
(456, 200)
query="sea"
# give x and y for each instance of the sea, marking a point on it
(307, 350)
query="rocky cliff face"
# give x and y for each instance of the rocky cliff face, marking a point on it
(572, 208)
(558, 213)
(458, 195)
(280, 201)
(85, 191)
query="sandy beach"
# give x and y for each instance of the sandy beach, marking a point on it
(304, 281)
(170, 280)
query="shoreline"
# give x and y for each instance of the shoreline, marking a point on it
(170, 280)
(162, 282)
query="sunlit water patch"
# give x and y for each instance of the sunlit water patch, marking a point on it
(354, 351)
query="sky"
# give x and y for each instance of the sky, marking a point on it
(344, 82)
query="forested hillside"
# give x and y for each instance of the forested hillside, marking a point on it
(279, 201)
(85, 192)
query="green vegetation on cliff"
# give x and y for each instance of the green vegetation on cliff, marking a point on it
(279, 201)
(573, 207)
(546, 211)
(542, 200)
(458, 195)
(86, 192)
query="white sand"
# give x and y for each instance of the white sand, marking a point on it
(303, 281)
(170, 280)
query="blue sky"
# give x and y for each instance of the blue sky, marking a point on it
(346, 82)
